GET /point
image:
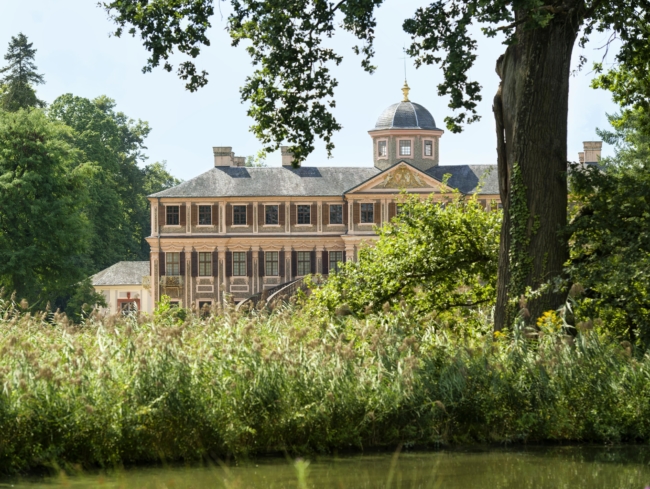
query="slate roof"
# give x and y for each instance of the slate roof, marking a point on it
(314, 181)
(466, 178)
(405, 115)
(122, 273)
(276, 182)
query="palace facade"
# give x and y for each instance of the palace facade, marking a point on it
(236, 230)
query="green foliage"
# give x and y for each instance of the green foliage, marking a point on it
(128, 390)
(291, 91)
(610, 254)
(83, 301)
(20, 76)
(433, 257)
(44, 234)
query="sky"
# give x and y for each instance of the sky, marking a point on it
(78, 55)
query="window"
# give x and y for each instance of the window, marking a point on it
(205, 308)
(336, 214)
(128, 307)
(428, 148)
(304, 263)
(335, 258)
(173, 215)
(271, 263)
(205, 215)
(271, 215)
(304, 214)
(174, 303)
(173, 263)
(239, 263)
(405, 147)
(399, 209)
(382, 150)
(239, 215)
(367, 213)
(205, 264)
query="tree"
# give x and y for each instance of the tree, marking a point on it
(20, 76)
(433, 258)
(44, 234)
(291, 91)
(118, 208)
(610, 252)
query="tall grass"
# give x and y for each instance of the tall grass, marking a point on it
(135, 390)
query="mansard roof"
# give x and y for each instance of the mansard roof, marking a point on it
(314, 181)
(122, 273)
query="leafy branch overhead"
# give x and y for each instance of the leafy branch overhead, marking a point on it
(291, 90)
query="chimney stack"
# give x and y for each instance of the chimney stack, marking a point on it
(287, 157)
(239, 161)
(592, 150)
(223, 155)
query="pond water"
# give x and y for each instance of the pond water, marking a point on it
(538, 468)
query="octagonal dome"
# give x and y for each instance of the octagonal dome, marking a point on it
(405, 115)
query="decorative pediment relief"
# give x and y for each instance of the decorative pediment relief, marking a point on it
(402, 178)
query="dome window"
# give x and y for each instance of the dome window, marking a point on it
(382, 150)
(428, 148)
(405, 147)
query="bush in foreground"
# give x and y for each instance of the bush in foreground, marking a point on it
(136, 390)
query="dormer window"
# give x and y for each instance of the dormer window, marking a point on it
(405, 147)
(428, 148)
(382, 149)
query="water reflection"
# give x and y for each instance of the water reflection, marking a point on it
(539, 468)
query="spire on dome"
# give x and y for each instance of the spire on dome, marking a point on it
(405, 90)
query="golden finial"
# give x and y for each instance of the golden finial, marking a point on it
(405, 91)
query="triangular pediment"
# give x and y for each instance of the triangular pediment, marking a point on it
(400, 177)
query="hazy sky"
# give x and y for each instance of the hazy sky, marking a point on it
(77, 55)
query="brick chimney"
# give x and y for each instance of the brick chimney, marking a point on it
(592, 151)
(223, 155)
(287, 157)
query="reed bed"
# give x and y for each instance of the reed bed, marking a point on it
(125, 390)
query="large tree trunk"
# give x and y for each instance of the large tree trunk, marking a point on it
(531, 108)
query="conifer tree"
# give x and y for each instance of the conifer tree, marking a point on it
(20, 76)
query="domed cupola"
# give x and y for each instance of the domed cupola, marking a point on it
(405, 131)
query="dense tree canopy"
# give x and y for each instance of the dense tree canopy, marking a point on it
(44, 234)
(610, 234)
(20, 76)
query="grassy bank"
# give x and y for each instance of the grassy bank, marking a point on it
(132, 390)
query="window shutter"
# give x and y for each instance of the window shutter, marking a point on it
(294, 263)
(356, 213)
(195, 263)
(215, 215)
(229, 216)
(345, 213)
(313, 261)
(194, 214)
(293, 220)
(249, 215)
(392, 210)
(183, 215)
(161, 263)
(182, 263)
(326, 263)
(260, 215)
(228, 263)
(162, 216)
(281, 268)
(314, 214)
(249, 262)
(326, 214)
(377, 212)
(215, 263)
(281, 219)
(261, 263)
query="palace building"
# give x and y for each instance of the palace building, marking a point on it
(236, 231)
